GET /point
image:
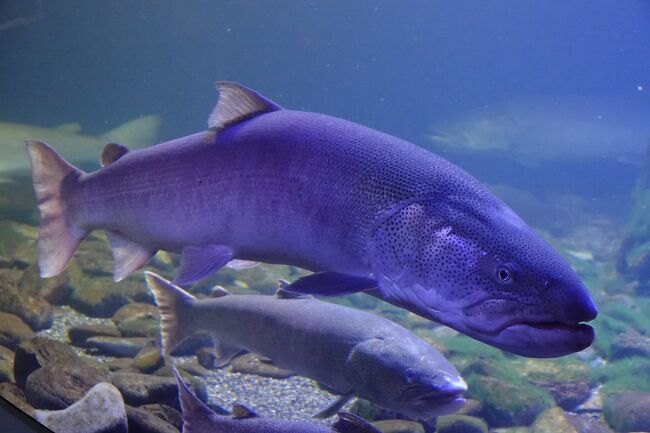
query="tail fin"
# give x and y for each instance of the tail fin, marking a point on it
(195, 412)
(140, 132)
(58, 238)
(175, 322)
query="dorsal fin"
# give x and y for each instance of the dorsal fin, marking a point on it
(237, 103)
(112, 152)
(219, 291)
(239, 411)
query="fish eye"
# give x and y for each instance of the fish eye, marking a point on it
(409, 376)
(504, 274)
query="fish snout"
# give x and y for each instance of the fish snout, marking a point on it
(572, 304)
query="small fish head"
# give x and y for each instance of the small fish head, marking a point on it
(405, 376)
(481, 270)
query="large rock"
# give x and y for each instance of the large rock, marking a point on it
(461, 424)
(6, 365)
(629, 343)
(101, 410)
(143, 421)
(139, 389)
(38, 352)
(15, 396)
(552, 421)
(141, 325)
(132, 310)
(55, 290)
(166, 413)
(33, 310)
(506, 403)
(99, 297)
(628, 411)
(13, 330)
(148, 359)
(80, 333)
(56, 387)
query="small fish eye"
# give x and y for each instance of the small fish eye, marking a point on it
(409, 375)
(504, 275)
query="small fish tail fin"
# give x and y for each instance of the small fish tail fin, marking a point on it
(176, 322)
(58, 238)
(196, 415)
(140, 132)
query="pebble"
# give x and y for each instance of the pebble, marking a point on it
(119, 346)
(251, 363)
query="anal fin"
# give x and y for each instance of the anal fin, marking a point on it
(128, 256)
(331, 284)
(200, 261)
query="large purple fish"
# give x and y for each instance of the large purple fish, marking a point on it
(364, 210)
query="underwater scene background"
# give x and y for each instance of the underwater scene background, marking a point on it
(545, 102)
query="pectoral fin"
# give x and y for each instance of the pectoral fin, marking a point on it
(331, 284)
(334, 407)
(199, 262)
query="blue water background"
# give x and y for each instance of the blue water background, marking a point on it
(397, 66)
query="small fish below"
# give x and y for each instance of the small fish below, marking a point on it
(198, 418)
(347, 351)
(366, 211)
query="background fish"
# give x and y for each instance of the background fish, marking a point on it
(365, 210)
(349, 352)
(73, 145)
(536, 130)
(198, 418)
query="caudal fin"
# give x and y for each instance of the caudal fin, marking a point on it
(58, 238)
(175, 311)
(196, 415)
(140, 132)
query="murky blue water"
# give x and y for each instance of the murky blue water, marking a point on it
(545, 102)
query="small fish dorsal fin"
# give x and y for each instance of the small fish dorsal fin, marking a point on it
(239, 411)
(237, 103)
(112, 152)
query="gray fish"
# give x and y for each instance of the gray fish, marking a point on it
(349, 352)
(198, 418)
(364, 210)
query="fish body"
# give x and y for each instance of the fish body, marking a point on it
(71, 143)
(366, 211)
(198, 418)
(350, 352)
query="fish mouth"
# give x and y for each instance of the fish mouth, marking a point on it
(544, 339)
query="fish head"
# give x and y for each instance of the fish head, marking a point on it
(407, 376)
(472, 264)
(480, 132)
